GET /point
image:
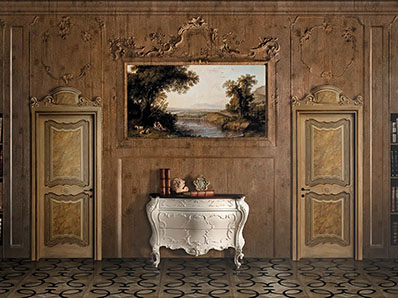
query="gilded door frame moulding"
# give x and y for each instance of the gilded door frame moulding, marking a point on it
(174, 49)
(68, 100)
(330, 99)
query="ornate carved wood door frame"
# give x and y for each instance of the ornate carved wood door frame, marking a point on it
(68, 101)
(324, 99)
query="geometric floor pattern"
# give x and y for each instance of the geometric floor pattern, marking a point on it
(199, 277)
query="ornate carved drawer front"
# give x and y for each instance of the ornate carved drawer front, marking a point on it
(198, 220)
(197, 204)
(197, 242)
(198, 225)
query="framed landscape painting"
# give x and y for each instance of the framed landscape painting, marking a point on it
(208, 101)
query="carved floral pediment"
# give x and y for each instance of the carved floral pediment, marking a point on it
(65, 96)
(194, 40)
(326, 95)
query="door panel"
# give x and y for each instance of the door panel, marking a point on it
(325, 151)
(65, 185)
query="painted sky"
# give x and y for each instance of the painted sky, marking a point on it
(208, 93)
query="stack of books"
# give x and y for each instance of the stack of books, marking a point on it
(394, 199)
(394, 163)
(394, 233)
(1, 228)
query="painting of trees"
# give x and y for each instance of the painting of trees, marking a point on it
(196, 100)
(240, 92)
(147, 99)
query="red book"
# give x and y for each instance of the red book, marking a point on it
(162, 182)
(200, 193)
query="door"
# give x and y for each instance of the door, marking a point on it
(325, 184)
(64, 165)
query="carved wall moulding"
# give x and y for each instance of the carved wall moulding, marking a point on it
(326, 95)
(195, 40)
(65, 96)
(319, 44)
(69, 38)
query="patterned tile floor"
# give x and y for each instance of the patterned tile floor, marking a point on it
(199, 277)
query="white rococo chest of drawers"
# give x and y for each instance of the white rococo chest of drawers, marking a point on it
(197, 224)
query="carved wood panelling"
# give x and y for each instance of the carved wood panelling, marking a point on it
(194, 40)
(66, 219)
(327, 219)
(326, 95)
(16, 139)
(64, 46)
(65, 96)
(66, 152)
(321, 38)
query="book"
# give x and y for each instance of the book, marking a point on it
(1, 195)
(394, 132)
(1, 129)
(162, 181)
(200, 193)
(394, 232)
(393, 200)
(165, 183)
(168, 182)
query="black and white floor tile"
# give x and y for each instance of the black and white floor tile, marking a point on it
(199, 277)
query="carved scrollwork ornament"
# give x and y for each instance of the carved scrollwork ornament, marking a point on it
(67, 77)
(96, 102)
(211, 46)
(65, 96)
(34, 102)
(326, 95)
(344, 100)
(100, 22)
(307, 100)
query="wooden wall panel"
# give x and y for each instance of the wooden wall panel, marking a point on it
(375, 240)
(327, 50)
(394, 65)
(16, 145)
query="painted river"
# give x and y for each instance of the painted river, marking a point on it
(200, 128)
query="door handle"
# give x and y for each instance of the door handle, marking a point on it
(89, 192)
(305, 189)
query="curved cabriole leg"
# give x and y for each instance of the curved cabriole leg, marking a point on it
(238, 257)
(156, 257)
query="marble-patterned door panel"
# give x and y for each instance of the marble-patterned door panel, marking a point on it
(69, 166)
